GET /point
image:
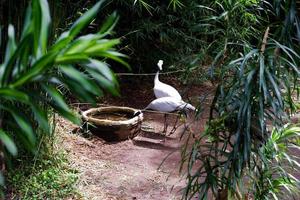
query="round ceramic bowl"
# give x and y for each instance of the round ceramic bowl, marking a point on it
(114, 123)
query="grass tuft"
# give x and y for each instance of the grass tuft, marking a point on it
(47, 176)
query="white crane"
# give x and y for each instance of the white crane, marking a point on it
(162, 89)
(169, 104)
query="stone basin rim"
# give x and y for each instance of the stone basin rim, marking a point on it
(106, 122)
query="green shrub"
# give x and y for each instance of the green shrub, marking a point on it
(254, 96)
(33, 72)
(50, 177)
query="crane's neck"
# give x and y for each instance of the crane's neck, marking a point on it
(156, 80)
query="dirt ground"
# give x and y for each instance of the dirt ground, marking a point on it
(133, 169)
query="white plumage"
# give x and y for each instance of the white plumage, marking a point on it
(162, 89)
(169, 104)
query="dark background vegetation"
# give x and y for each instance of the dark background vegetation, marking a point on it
(160, 32)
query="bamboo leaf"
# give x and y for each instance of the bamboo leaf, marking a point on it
(45, 23)
(102, 45)
(1, 181)
(7, 68)
(81, 79)
(8, 143)
(23, 123)
(40, 116)
(38, 67)
(102, 68)
(84, 20)
(82, 43)
(80, 92)
(104, 83)
(27, 26)
(69, 115)
(57, 97)
(11, 44)
(71, 58)
(13, 94)
(37, 23)
(109, 24)
(275, 87)
(114, 56)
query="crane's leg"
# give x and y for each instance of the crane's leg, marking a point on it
(175, 125)
(165, 125)
(165, 128)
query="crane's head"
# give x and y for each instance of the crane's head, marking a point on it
(186, 107)
(159, 64)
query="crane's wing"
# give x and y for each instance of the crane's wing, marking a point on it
(164, 104)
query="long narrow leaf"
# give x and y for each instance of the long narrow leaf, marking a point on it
(109, 24)
(84, 20)
(45, 23)
(81, 79)
(11, 44)
(23, 123)
(8, 143)
(39, 66)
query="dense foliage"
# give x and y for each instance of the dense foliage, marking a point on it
(256, 94)
(33, 72)
(153, 30)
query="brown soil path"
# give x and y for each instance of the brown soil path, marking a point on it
(127, 169)
(131, 169)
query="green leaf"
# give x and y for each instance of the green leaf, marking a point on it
(293, 65)
(14, 94)
(1, 182)
(45, 23)
(145, 5)
(114, 56)
(38, 67)
(71, 58)
(175, 4)
(22, 122)
(27, 26)
(102, 45)
(262, 81)
(82, 43)
(11, 44)
(36, 23)
(81, 79)
(66, 114)
(109, 24)
(40, 117)
(206, 7)
(57, 97)
(84, 20)
(80, 92)
(102, 68)
(61, 42)
(104, 83)
(25, 125)
(8, 143)
(7, 68)
(275, 87)
(247, 57)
